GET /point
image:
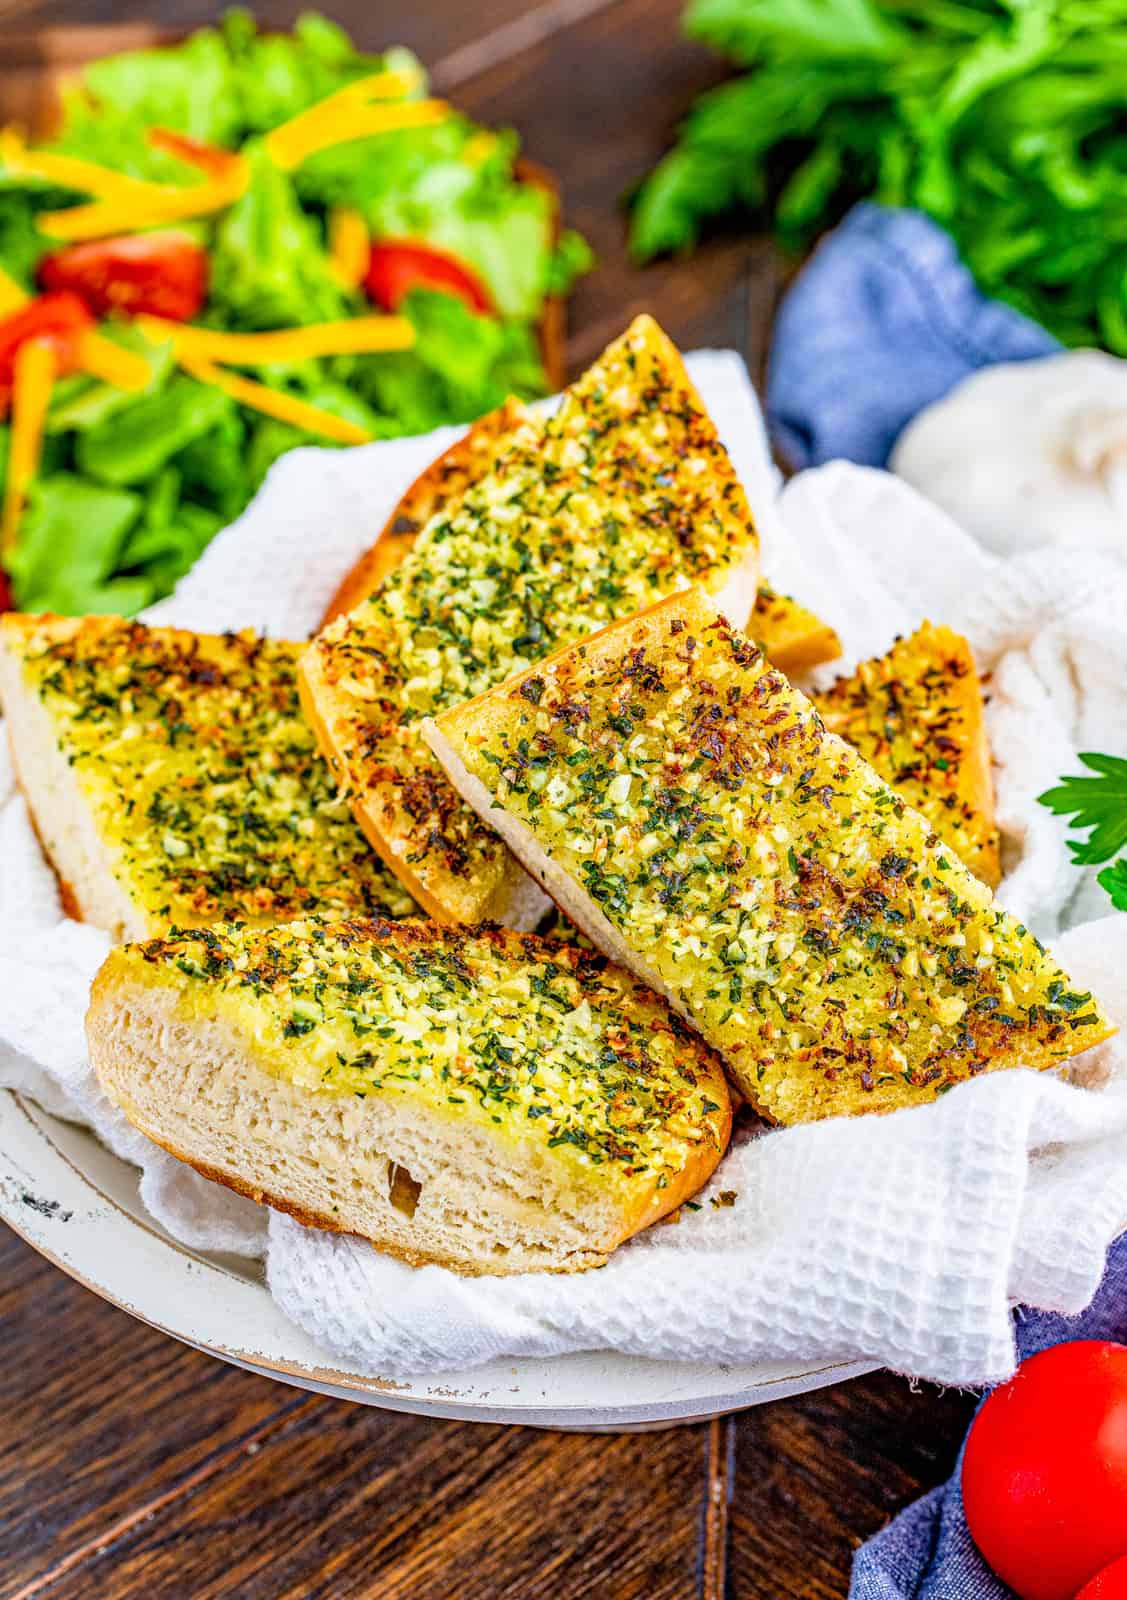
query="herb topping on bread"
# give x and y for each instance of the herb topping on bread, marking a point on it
(689, 810)
(173, 779)
(625, 494)
(484, 1099)
(916, 715)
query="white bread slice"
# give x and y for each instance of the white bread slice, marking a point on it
(490, 1102)
(624, 494)
(688, 808)
(172, 778)
(916, 715)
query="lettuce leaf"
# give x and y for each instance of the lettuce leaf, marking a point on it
(417, 184)
(135, 442)
(269, 266)
(71, 538)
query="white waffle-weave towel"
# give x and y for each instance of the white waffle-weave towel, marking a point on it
(902, 1239)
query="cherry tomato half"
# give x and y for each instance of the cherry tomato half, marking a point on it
(164, 274)
(396, 266)
(54, 319)
(1110, 1584)
(1045, 1470)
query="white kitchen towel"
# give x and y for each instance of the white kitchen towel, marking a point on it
(902, 1239)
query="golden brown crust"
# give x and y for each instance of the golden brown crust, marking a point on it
(916, 715)
(456, 903)
(789, 634)
(644, 460)
(467, 459)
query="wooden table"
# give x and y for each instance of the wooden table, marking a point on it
(130, 1466)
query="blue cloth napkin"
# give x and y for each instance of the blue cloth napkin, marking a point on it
(883, 320)
(927, 1552)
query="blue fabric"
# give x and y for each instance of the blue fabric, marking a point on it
(882, 320)
(927, 1553)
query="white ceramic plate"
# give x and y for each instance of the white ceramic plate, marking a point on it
(78, 1205)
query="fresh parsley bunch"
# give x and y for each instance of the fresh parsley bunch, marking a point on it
(1003, 119)
(1097, 806)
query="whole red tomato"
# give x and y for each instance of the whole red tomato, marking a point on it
(1110, 1584)
(1045, 1470)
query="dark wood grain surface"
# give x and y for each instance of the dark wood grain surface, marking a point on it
(133, 1467)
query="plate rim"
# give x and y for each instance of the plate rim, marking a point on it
(455, 1396)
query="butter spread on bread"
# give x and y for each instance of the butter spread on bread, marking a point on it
(625, 494)
(789, 634)
(916, 715)
(173, 779)
(689, 810)
(484, 1100)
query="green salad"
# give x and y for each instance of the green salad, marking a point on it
(236, 245)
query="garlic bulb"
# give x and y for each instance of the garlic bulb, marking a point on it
(1028, 453)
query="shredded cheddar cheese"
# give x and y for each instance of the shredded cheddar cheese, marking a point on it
(71, 172)
(350, 336)
(274, 403)
(31, 395)
(349, 245)
(333, 122)
(157, 204)
(112, 363)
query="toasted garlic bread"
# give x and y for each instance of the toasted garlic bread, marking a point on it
(625, 494)
(915, 714)
(486, 1101)
(685, 805)
(173, 780)
(789, 634)
(433, 492)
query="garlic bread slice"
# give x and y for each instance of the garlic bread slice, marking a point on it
(624, 495)
(487, 1101)
(688, 809)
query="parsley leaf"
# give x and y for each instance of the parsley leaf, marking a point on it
(1097, 806)
(1114, 880)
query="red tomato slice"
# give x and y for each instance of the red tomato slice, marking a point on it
(164, 274)
(55, 319)
(397, 266)
(1110, 1584)
(1045, 1470)
(7, 599)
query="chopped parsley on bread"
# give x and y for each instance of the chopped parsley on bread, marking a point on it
(172, 778)
(624, 495)
(689, 810)
(916, 715)
(487, 1101)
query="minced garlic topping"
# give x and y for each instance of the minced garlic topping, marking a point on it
(624, 495)
(915, 714)
(819, 934)
(203, 777)
(548, 1045)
